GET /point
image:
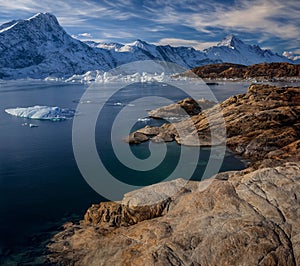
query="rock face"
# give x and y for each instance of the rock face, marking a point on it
(182, 108)
(262, 124)
(236, 218)
(263, 71)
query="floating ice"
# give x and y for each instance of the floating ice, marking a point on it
(145, 119)
(42, 113)
(123, 104)
(33, 125)
(107, 77)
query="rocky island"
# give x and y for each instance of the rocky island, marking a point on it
(248, 217)
(259, 72)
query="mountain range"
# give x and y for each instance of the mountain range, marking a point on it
(39, 47)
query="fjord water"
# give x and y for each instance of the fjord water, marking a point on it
(40, 184)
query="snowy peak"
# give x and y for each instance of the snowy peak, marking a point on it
(231, 41)
(140, 44)
(111, 46)
(137, 45)
(233, 50)
(39, 47)
(47, 17)
(40, 21)
(46, 21)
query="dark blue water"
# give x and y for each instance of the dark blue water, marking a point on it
(40, 184)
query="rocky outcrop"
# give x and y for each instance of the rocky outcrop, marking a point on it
(236, 218)
(264, 71)
(260, 125)
(144, 204)
(182, 108)
(248, 217)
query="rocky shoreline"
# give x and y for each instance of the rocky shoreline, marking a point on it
(273, 72)
(261, 125)
(249, 217)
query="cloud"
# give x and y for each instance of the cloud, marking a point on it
(156, 29)
(191, 22)
(257, 16)
(182, 42)
(117, 35)
(297, 51)
(291, 55)
(268, 17)
(78, 12)
(83, 36)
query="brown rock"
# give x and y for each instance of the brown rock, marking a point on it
(116, 214)
(183, 108)
(263, 120)
(263, 71)
(149, 131)
(243, 218)
(136, 138)
(163, 137)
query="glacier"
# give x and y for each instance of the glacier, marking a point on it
(42, 113)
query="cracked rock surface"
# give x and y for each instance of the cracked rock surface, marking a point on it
(236, 218)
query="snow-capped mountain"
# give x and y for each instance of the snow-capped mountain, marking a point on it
(39, 47)
(229, 50)
(233, 50)
(141, 50)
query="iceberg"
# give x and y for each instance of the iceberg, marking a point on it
(33, 125)
(99, 76)
(144, 119)
(42, 113)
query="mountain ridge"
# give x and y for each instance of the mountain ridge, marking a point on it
(39, 47)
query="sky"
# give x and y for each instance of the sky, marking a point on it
(273, 24)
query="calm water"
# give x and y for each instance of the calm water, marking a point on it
(40, 184)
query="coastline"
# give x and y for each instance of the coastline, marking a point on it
(258, 198)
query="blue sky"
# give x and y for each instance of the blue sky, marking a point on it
(272, 24)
